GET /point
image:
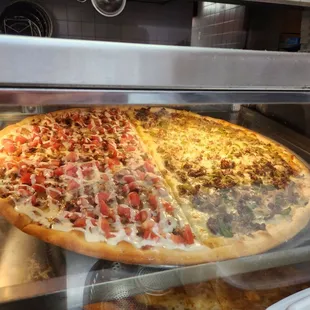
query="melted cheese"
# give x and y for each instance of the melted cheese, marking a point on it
(52, 212)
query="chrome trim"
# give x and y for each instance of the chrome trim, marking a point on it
(78, 63)
(87, 97)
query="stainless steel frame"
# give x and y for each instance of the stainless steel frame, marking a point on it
(67, 292)
(54, 73)
(13, 96)
(55, 295)
(90, 64)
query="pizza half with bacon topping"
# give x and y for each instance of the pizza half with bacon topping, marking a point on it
(149, 186)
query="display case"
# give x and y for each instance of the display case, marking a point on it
(45, 75)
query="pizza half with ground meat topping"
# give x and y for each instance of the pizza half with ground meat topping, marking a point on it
(241, 192)
(150, 186)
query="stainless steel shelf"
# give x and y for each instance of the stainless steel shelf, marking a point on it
(74, 63)
(55, 294)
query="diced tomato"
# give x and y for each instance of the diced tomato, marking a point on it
(47, 145)
(72, 157)
(156, 217)
(55, 162)
(104, 209)
(125, 189)
(103, 196)
(71, 146)
(128, 231)
(55, 193)
(110, 129)
(113, 162)
(44, 130)
(44, 165)
(7, 141)
(73, 185)
(188, 234)
(34, 143)
(126, 137)
(124, 211)
(129, 178)
(111, 215)
(21, 139)
(71, 170)
(95, 138)
(87, 165)
(59, 171)
(9, 147)
(75, 116)
(105, 177)
(36, 128)
(153, 201)
(94, 222)
(134, 199)
(148, 224)
(101, 130)
(90, 126)
(24, 192)
(142, 216)
(148, 234)
(25, 179)
(87, 172)
(141, 175)
(148, 166)
(177, 239)
(38, 188)
(56, 145)
(40, 179)
(105, 226)
(133, 186)
(80, 222)
(23, 171)
(34, 200)
(91, 214)
(155, 179)
(130, 148)
(168, 207)
(73, 217)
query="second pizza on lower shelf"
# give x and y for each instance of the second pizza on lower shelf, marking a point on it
(217, 294)
(150, 186)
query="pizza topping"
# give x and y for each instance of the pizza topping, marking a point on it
(70, 173)
(235, 185)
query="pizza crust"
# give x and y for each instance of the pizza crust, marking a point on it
(260, 241)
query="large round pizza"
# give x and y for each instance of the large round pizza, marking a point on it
(150, 185)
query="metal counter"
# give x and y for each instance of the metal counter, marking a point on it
(93, 64)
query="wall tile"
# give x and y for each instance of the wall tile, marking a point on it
(88, 13)
(88, 29)
(139, 23)
(60, 12)
(101, 30)
(221, 25)
(74, 29)
(62, 27)
(74, 13)
(113, 31)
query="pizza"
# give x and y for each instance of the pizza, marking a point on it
(216, 294)
(150, 186)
